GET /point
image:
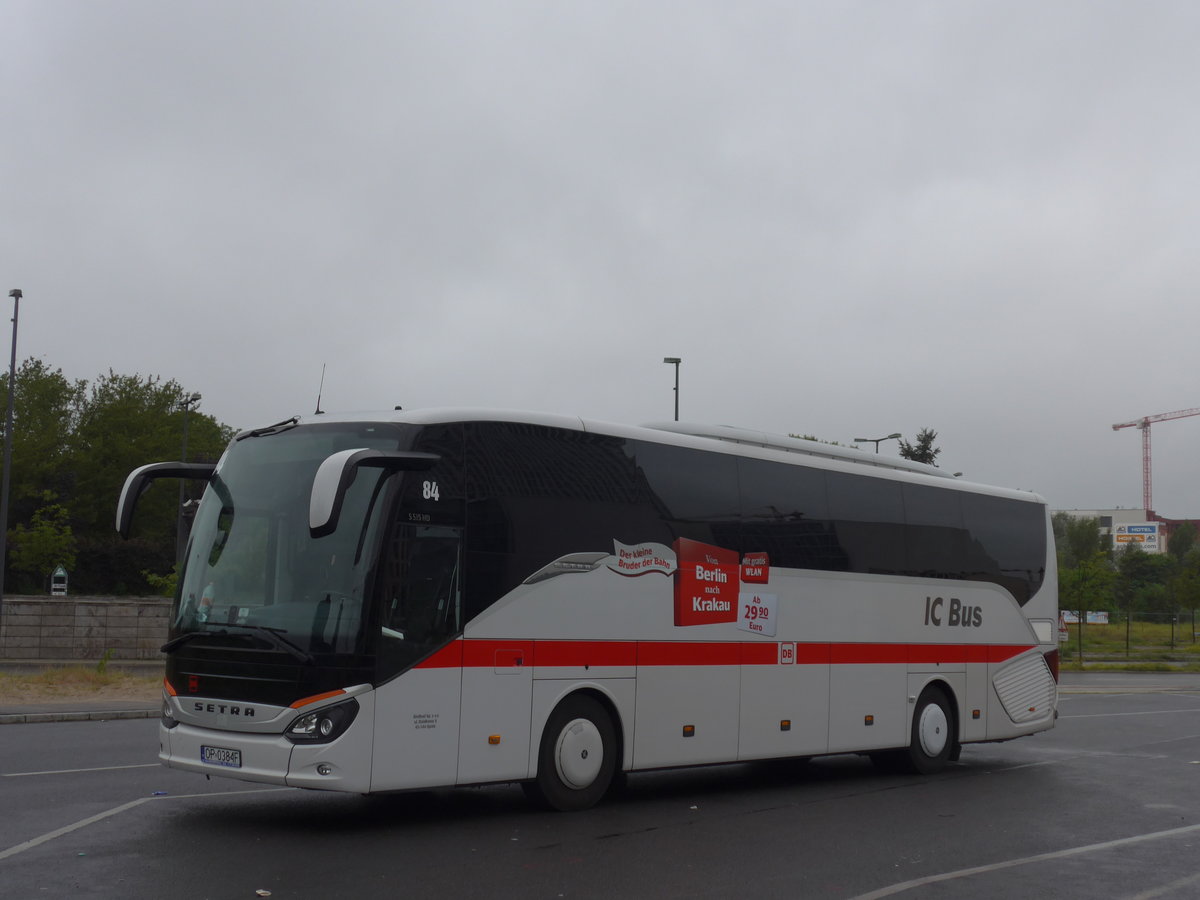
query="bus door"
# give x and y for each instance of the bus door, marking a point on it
(419, 661)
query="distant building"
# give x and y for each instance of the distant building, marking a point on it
(1122, 527)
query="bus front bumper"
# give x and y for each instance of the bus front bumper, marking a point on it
(267, 758)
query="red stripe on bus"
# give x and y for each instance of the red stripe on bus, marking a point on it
(812, 654)
(759, 654)
(585, 653)
(449, 657)
(1000, 653)
(689, 653)
(851, 654)
(502, 654)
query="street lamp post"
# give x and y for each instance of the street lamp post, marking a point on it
(877, 441)
(675, 361)
(187, 403)
(8, 442)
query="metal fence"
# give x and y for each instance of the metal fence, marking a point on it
(1169, 637)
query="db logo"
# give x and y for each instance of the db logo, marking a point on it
(787, 654)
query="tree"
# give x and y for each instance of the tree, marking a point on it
(814, 438)
(79, 441)
(46, 543)
(922, 450)
(1185, 585)
(126, 421)
(46, 408)
(1182, 540)
(1141, 579)
(1076, 539)
(1088, 584)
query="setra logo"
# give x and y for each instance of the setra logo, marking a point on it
(224, 709)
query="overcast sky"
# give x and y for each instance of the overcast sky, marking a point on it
(848, 219)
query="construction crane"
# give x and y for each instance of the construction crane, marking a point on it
(1144, 424)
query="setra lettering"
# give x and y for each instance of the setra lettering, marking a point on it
(224, 709)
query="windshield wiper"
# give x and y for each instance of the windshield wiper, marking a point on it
(269, 429)
(273, 636)
(276, 637)
(175, 643)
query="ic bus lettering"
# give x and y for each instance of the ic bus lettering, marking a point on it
(956, 615)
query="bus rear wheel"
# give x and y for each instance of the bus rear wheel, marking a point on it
(933, 732)
(931, 741)
(577, 756)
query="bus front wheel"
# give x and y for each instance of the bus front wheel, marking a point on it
(577, 757)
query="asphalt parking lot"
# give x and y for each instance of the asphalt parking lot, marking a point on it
(1103, 805)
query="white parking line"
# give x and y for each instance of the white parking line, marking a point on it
(73, 771)
(1167, 889)
(1145, 712)
(67, 829)
(903, 886)
(90, 820)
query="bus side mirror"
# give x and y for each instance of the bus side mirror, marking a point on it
(140, 479)
(337, 473)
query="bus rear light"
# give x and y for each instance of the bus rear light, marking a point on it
(167, 688)
(689, 730)
(323, 725)
(868, 720)
(493, 739)
(785, 725)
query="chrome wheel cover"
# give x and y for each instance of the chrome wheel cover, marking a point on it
(579, 753)
(933, 730)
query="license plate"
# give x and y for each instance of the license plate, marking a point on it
(221, 756)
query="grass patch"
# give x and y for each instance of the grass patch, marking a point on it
(77, 683)
(1073, 665)
(1143, 642)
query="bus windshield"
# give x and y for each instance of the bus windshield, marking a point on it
(252, 569)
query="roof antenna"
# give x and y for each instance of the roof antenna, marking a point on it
(320, 391)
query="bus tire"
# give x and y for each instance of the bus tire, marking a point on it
(933, 732)
(577, 757)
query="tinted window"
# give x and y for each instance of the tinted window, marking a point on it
(536, 493)
(868, 520)
(437, 495)
(694, 491)
(936, 540)
(785, 513)
(1008, 541)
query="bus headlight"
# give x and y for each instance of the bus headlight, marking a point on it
(324, 725)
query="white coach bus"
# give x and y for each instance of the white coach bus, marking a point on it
(418, 599)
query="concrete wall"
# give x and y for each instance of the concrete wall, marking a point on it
(83, 628)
